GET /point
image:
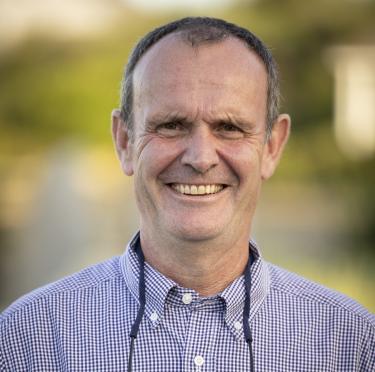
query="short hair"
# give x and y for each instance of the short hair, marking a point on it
(197, 31)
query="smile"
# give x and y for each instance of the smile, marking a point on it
(197, 189)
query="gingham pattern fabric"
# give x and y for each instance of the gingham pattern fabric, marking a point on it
(82, 323)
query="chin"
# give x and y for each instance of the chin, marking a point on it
(196, 233)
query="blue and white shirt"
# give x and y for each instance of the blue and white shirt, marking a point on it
(82, 323)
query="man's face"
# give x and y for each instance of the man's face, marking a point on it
(199, 153)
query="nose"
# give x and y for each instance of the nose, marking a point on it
(201, 150)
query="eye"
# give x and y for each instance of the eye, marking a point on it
(229, 127)
(170, 129)
(229, 130)
(170, 126)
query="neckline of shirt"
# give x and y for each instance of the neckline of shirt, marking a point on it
(162, 291)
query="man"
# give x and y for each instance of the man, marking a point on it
(199, 131)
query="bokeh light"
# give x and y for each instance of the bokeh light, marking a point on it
(64, 202)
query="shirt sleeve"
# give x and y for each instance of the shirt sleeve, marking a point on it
(2, 358)
(2, 361)
(367, 358)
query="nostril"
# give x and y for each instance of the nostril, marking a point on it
(200, 153)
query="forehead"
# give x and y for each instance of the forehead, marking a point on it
(173, 70)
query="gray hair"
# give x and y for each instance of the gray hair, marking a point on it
(197, 31)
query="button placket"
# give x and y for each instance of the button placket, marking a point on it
(203, 336)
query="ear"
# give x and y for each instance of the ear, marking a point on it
(274, 147)
(122, 142)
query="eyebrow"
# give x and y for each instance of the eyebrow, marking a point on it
(240, 122)
(183, 119)
(168, 118)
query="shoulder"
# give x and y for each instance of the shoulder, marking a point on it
(66, 317)
(87, 280)
(310, 294)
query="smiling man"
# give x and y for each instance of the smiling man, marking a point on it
(199, 130)
(198, 149)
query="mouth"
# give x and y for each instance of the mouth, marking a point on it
(197, 189)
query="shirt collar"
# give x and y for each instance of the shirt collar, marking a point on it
(160, 289)
(234, 294)
(157, 285)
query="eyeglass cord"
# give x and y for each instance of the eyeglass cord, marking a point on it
(142, 304)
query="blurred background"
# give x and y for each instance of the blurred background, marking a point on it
(64, 202)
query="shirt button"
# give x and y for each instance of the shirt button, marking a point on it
(187, 298)
(198, 360)
(154, 316)
(237, 325)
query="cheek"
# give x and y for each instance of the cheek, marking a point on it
(156, 155)
(245, 161)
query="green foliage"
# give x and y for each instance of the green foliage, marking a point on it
(53, 89)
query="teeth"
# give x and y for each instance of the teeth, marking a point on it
(201, 190)
(197, 189)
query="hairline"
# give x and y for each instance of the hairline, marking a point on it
(255, 45)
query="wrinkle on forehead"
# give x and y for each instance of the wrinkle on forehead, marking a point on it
(191, 118)
(189, 74)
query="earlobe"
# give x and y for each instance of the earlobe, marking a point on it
(275, 145)
(122, 143)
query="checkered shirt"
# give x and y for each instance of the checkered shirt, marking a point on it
(82, 323)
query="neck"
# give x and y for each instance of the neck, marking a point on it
(208, 267)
